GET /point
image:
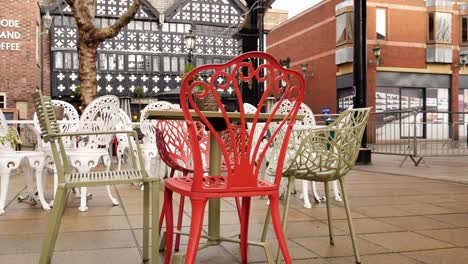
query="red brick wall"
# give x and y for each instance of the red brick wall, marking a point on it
(315, 46)
(20, 71)
(403, 48)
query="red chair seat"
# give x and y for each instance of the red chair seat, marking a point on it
(216, 187)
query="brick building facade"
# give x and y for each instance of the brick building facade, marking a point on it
(421, 45)
(20, 55)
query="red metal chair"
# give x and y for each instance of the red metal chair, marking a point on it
(174, 149)
(238, 151)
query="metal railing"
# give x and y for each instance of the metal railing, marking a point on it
(418, 134)
(412, 134)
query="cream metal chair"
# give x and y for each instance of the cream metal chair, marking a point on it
(324, 155)
(10, 160)
(67, 180)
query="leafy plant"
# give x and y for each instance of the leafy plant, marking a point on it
(77, 91)
(138, 92)
(187, 69)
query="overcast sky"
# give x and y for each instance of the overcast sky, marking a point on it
(294, 6)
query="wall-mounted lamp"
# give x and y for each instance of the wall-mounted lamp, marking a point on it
(304, 67)
(463, 61)
(46, 21)
(376, 52)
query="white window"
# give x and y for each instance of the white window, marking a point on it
(112, 62)
(440, 27)
(2, 100)
(344, 28)
(68, 60)
(58, 60)
(381, 23)
(103, 61)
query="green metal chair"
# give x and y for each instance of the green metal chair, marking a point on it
(324, 155)
(66, 179)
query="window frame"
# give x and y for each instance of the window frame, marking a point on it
(67, 60)
(348, 15)
(434, 40)
(58, 54)
(385, 10)
(4, 100)
(461, 30)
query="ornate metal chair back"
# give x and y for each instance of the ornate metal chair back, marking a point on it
(244, 70)
(147, 125)
(174, 147)
(49, 130)
(69, 114)
(330, 153)
(124, 123)
(100, 115)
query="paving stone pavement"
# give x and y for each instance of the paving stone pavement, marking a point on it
(400, 216)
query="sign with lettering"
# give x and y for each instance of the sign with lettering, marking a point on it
(9, 30)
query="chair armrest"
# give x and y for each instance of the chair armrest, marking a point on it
(90, 133)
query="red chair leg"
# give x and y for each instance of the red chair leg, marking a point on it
(244, 235)
(275, 218)
(179, 221)
(161, 217)
(163, 211)
(238, 205)
(198, 209)
(169, 225)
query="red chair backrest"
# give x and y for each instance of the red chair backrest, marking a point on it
(173, 144)
(241, 165)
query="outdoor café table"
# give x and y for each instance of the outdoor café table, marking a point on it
(217, 120)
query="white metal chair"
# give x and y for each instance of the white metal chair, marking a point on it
(10, 160)
(248, 108)
(147, 126)
(100, 115)
(123, 145)
(69, 123)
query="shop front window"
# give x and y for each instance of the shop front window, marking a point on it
(345, 98)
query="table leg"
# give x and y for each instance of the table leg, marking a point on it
(214, 207)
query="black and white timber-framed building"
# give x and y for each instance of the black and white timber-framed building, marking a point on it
(147, 53)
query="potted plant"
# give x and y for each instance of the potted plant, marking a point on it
(138, 92)
(207, 102)
(77, 92)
